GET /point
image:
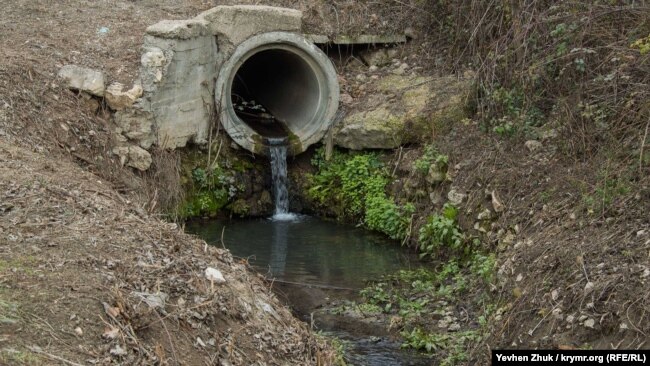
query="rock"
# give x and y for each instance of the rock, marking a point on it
(434, 198)
(589, 323)
(378, 56)
(123, 153)
(89, 103)
(178, 29)
(589, 288)
(214, 275)
(137, 125)
(533, 145)
(570, 319)
(133, 156)
(557, 314)
(78, 331)
(410, 33)
(118, 99)
(401, 69)
(139, 158)
(401, 110)
(496, 203)
(554, 295)
(375, 129)
(373, 68)
(153, 64)
(118, 351)
(240, 22)
(484, 215)
(83, 79)
(346, 99)
(153, 300)
(455, 198)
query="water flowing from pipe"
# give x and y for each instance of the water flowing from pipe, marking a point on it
(278, 156)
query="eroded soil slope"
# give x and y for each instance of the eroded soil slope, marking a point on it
(86, 273)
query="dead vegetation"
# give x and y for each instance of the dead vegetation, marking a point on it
(573, 240)
(86, 276)
(87, 272)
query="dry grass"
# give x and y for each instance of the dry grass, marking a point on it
(562, 64)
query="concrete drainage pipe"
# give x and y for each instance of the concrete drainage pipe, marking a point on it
(277, 85)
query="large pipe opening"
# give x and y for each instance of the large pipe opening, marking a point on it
(277, 85)
(275, 90)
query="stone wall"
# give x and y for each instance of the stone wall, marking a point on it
(181, 61)
(173, 101)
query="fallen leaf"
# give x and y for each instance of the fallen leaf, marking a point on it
(118, 351)
(111, 311)
(111, 332)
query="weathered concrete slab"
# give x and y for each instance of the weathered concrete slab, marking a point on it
(317, 38)
(240, 22)
(178, 29)
(369, 39)
(357, 39)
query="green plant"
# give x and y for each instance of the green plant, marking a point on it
(346, 179)
(429, 342)
(600, 198)
(441, 232)
(356, 183)
(430, 157)
(383, 215)
(483, 266)
(211, 190)
(503, 127)
(452, 347)
(642, 44)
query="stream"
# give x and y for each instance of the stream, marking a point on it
(315, 263)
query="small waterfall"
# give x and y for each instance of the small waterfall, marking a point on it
(278, 155)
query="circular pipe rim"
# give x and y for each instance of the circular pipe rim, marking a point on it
(298, 45)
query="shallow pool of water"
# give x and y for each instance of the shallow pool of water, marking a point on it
(314, 262)
(307, 250)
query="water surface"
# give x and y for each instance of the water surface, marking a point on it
(307, 250)
(315, 262)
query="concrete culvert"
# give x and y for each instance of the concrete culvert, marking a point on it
(277, 85)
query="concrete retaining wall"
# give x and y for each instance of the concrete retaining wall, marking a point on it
(179, 67)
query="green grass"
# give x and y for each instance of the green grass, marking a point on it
(10, 356)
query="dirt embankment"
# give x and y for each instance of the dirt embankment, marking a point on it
(87, 274)
(572, 241)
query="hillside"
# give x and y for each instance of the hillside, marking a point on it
(543, 171)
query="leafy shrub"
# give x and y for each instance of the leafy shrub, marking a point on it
(356, 183)
(362, 177)
(383, 215)
(441, 232)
